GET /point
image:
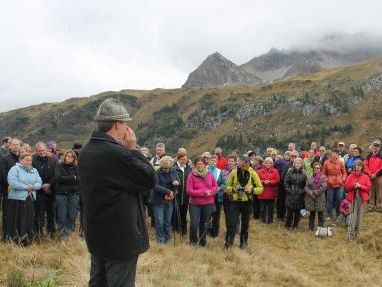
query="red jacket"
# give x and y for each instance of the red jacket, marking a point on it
(222, 162)
(373, 164)
(364, 180)
(270, 189)
(335, 172)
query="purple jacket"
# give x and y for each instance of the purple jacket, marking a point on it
(279, 165)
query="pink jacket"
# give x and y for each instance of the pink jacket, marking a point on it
(198, 186)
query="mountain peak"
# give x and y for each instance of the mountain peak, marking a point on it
(218, 71)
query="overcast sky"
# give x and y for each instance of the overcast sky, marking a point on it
(53, 50)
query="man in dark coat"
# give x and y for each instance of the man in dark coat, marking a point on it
(45, 198)
(114, 176)
(9, 161)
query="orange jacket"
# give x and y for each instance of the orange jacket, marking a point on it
(335, 172)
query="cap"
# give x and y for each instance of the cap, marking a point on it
(245, 158)
(377, 142)
(341, 143)
(206, 154)
(112, 110)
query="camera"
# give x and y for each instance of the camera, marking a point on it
(240, 192)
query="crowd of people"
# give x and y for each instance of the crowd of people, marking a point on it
(41, 190)
(316, 183)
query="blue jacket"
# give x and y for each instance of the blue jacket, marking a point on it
(163, 185)
(19, 177)
(220, 180)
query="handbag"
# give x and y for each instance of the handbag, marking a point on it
(324, 231)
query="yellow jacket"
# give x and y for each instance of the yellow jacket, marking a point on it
(254, 183)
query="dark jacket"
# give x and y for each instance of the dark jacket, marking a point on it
(182, 194)
(315, 199)
(113, 180)
(317, 159)
(3, 179)
(66, 179)
(46, 167)
(163, 185)
(294, 185)
(9, 161)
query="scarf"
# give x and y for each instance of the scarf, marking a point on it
(243, 176)
(201, 174)
(317, 180)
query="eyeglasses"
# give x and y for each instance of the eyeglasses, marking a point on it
(317, 167)
(322, 150)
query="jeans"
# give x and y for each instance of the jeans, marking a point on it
(199, 215)
(112, 273)
(44, 204)
(162, 217)
(67, 208)
(334, 198)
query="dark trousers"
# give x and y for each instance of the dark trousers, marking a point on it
(5, 211)
(180, 224)
(292, 217)
(256, 207)
(280, 203)
(214, 229)
(226, 205)
(243, 210)
(266, 210)
(45, 204)
(312, 218)
(113, 273)
(200, 215)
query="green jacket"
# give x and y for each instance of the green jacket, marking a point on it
(254, 183)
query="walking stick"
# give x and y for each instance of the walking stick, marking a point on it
(177, 214)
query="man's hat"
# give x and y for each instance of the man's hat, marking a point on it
(112, 110)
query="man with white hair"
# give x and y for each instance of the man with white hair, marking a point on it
(160, 151)
(114, 176)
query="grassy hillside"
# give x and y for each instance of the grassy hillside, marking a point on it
(326, 106)
(275, 257)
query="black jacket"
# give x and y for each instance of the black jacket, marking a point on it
(46, 167)
(163, 185)
(182, 194)
(294, 185)
(3, 179)
(9, 161)
(66, 179)
(113, 180)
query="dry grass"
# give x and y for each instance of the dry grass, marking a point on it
(275, 257)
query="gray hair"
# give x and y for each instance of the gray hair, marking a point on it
(300, 160)
(160, 145)
(39, 144)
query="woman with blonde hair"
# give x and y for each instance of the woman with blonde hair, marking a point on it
(166, 181)
(23, 181)
(67, 193)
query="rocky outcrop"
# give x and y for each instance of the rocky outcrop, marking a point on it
(373, 84)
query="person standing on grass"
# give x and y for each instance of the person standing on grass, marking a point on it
(166, 181)
(270, 179)
(357, 186)
(23, 182)
(201, 188)
(294, 184)
(67, 194)
(114, 176)
(315, 201)
(220, 180)
(242, 183)
(373, 167)
(335, 172)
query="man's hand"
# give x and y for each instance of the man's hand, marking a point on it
(175, 183)
(248, 190)
(46, 187)
(130, 140)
